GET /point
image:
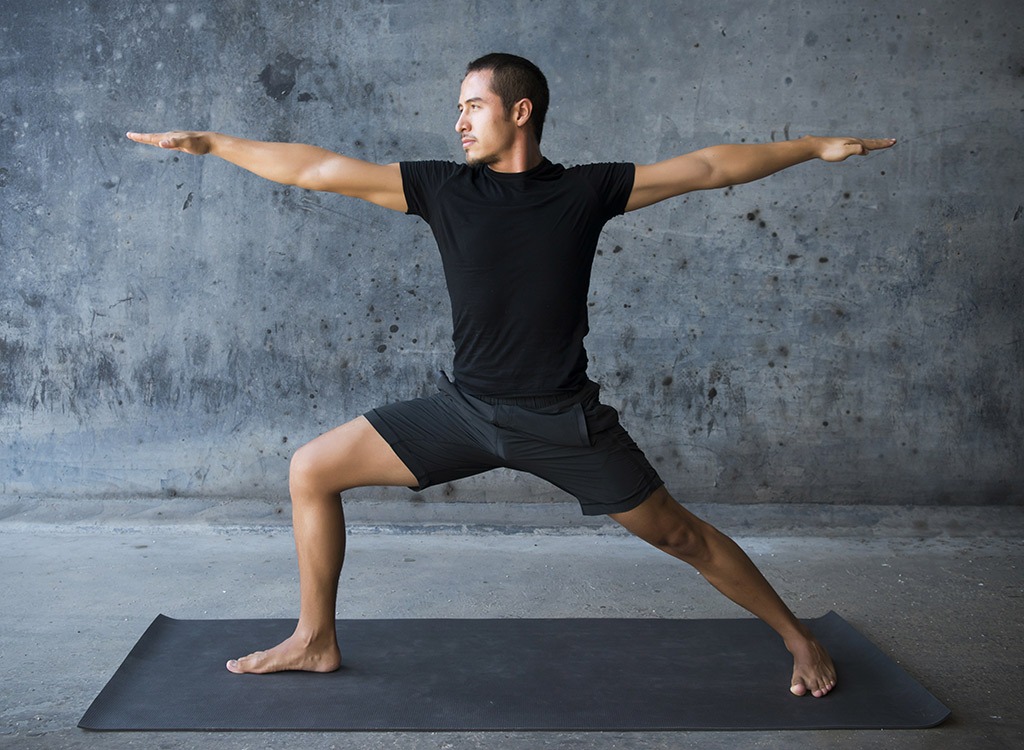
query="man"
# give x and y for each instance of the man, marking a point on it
(517, 236)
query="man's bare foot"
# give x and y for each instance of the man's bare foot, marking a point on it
(813, 671)
(295, 653)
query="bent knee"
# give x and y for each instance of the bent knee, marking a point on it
(310, 471)
(303, 467)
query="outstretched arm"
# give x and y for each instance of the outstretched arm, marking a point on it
(308, 167)
(721, 166)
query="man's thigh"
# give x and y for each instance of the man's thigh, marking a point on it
(435, 440)
(352, 455)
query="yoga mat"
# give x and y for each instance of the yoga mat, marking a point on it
(512, 674)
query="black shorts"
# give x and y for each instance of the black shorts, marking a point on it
(574, 442)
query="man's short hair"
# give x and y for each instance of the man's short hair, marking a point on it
(515, 78)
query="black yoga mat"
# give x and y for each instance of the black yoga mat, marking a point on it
(531, 674)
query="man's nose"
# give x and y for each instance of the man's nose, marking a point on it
(462, 123)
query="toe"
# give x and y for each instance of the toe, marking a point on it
(246, 664)
(825, 689)
(798, 688)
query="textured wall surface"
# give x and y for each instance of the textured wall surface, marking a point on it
(852, 333)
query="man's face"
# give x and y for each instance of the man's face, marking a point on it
(486, 128)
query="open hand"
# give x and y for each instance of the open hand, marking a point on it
(838, 149)
(175, 140)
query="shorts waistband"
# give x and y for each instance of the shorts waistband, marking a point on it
(551, 403)
(527, 402)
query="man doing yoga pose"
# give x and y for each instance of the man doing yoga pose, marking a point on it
(517, 236)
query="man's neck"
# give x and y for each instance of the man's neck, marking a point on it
(519, 159)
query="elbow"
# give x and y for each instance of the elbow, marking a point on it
(713, 173)
(307, 179)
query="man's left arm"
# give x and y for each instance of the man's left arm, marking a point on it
(734, 164)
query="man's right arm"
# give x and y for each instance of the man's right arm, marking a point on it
(308, 167)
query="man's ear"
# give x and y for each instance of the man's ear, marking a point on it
(521, 112)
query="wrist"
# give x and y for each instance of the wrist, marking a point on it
(214, 143)
(811, 145)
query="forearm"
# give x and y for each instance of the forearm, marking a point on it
(734, 164)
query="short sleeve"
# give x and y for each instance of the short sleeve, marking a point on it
(611, 182)
(421, 181)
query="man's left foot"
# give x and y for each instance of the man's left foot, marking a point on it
(813, 671)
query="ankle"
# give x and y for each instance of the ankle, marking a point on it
(313, 637)
(799, 638)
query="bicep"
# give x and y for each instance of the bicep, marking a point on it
(377, 183)
(666, 179)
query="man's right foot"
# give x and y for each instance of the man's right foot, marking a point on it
(293, 654)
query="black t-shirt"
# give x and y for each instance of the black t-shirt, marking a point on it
(517, 250)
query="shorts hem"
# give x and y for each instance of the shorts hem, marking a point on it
(604, 509)
(405, 456)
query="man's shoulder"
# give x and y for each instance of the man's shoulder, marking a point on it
(603, 174)
(436, 166)
(599, 166)
(609, 182)
(437, 162)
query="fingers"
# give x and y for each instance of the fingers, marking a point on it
(873, 144)
(839, 149)
(854, 147)
(149, 138)
(862, 146)
(187, 142)
(160, 140)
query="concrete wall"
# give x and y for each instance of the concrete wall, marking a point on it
(839, 333)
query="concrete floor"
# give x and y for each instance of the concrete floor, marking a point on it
(77, 596)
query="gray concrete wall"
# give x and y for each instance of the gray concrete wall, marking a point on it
(838, 333)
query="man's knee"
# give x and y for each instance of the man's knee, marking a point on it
(302, 469)
(310, 470)
(679, 532)
(684, 538)
(667, 525)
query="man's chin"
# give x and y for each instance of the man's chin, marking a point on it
(480, 161)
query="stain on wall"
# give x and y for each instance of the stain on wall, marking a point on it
(847, 333)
